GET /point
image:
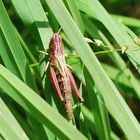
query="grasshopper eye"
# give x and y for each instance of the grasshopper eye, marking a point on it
(57, 38)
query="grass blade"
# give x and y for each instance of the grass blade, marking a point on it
(36, 106)
(98, 108)
(33, 16)
(11, 50)
(122, 38)
(75, 14)
(9, 125)
(116, 58)
(129, 21)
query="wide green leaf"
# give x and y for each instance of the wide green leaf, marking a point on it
(36, 106)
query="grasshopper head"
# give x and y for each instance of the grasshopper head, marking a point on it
(56, 44)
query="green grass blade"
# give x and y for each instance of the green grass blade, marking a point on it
(21, 120)
(36, 106)
(91, 121)
(129, 21)
(115, 57)
(33, 16)
(14, 59)
(118, 76)
(113, 101)
(52, 20)
(28, 54)
(11, 50)
(98, 108)
(122, 38)
(75, 14)
(96, 102)
(9, 128)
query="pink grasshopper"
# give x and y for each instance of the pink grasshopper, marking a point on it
(61, 76)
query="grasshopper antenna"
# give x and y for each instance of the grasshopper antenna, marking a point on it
(59, 30)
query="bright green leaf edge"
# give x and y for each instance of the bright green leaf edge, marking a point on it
(36, 106)
(9, 128)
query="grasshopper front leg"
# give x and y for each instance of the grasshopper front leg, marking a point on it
(55, 83)
(74, 86)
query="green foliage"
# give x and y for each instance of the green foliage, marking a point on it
(30, 108)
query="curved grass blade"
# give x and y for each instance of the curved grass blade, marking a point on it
(89, 118)
(122, 38)
(75, 14)
(9, 127)
(22, 120)
(15, 60)
(129, 21)
(114, 56)
(98, 108)
(33, 16)
(36, 106)
(11, 50)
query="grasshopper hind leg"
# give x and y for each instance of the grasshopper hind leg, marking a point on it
(74, 86)
(55, 83)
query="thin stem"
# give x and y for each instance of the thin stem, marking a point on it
(108, 51)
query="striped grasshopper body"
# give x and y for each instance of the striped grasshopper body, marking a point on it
(61, 77)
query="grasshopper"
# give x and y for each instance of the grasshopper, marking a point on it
(61, 76)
